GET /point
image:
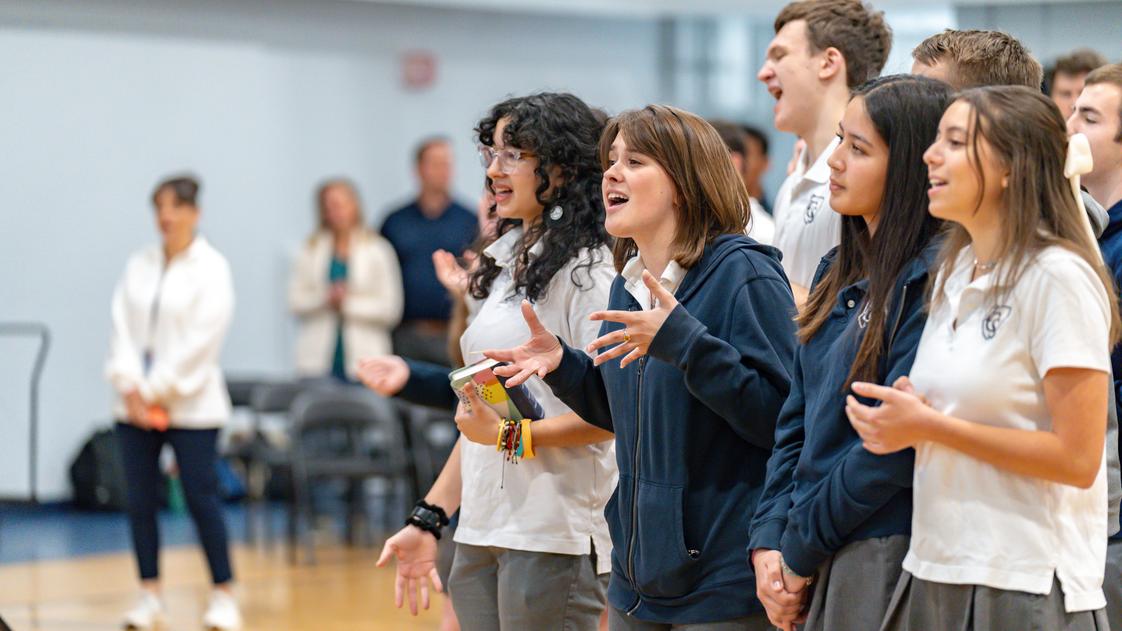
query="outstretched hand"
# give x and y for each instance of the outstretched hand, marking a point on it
(386, 375)
(539, 355)
(450, 273)
(639, 327)
(415, 551)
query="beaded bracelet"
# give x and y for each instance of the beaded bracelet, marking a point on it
(515, 440)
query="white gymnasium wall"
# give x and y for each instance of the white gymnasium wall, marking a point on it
(262, 101)
(1051, 30)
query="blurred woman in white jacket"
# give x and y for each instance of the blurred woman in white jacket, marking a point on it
(345, 289)
(171, 310)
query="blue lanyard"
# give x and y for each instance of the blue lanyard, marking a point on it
(153, 321)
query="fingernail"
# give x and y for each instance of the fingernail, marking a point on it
(776, 585)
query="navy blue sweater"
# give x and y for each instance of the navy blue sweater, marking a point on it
(428, 385)
(824, 490)
(414, 238)
(1111, 245)
(694, 424)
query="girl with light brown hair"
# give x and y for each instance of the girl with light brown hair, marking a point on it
(701, 316)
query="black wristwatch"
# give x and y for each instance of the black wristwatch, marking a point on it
(428, 517)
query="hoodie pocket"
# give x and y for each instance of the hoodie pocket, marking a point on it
(664, 566)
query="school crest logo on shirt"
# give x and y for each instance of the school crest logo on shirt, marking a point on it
(994, 319)
(863, 317)
(812, 208)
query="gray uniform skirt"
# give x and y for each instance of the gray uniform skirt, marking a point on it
(920, 605)
(853, 589)
(1112, 584)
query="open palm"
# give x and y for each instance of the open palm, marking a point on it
(539, 355)
(415, 551)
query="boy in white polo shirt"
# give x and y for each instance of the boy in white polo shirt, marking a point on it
(821, 50)
(1098, 116)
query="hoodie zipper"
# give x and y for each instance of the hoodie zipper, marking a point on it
(635, 488)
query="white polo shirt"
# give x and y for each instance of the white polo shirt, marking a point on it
(761, 226)
(806, 228)
(554, 502)
(975, 524)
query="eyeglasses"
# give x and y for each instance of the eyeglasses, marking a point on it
(509, 159)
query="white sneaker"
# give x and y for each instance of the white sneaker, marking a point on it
(146, 614)
(222, 612)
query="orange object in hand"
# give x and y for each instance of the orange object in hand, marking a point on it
(158, 418)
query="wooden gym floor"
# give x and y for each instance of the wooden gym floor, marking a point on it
(343, 592)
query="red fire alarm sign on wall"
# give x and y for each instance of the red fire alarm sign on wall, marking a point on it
(418, 69)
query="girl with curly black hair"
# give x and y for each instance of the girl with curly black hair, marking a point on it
(532, 544)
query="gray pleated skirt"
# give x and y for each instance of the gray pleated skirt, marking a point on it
(920, 605)
(853, 589)
(1112, 584)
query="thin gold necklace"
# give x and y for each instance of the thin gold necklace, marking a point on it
(984, 267)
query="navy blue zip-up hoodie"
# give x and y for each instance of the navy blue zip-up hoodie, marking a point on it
(694, 424)
(824, 490)
(1110, 243)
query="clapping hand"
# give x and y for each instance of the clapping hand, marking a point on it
(899, 422)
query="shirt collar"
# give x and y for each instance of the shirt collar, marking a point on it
(960, 292)
(198, 244)
(819, 172)
(671, 277)
(196, 247)
(504, 250)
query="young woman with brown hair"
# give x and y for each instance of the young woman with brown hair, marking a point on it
(702, 319)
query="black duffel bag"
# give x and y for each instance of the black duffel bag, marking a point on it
(97, 475)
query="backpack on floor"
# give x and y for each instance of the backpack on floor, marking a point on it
(97, 475)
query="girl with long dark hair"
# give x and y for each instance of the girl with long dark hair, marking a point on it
(532, 546)
(832, 511)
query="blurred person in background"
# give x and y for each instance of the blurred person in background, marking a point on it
(757, 160)
(345, 289)
(761, 227)
(1064, 80)
(433, 221)
(171, 310)
(421, 382)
